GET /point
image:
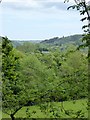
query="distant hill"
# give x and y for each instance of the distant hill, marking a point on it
(74, 39)
(18, 43)
(56, 41)
(0, 38)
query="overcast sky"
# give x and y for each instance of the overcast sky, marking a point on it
(38, 19)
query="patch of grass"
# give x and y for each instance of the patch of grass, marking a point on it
(0, 115)
(72, 109)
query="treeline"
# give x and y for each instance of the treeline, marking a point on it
(32, 76)
(64, 69)
(74, 39)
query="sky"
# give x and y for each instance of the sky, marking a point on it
(38, 19)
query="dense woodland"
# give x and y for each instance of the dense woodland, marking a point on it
(43, 72)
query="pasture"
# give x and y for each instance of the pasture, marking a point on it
(70, 109)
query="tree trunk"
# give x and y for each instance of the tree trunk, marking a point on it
(12, 117)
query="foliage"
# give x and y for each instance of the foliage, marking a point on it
(83, 8)
(37, 74)
(13, 89)
(57, 70)
(31, 77)
(0, 77)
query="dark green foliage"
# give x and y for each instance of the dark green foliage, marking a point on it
(14, 97)
(0, 75)
(11, 87)
(9, 60)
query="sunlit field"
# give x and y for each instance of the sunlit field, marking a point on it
(73, 109)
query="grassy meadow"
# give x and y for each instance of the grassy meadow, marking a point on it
(73, 109)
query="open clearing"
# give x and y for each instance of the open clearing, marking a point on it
(73, 109)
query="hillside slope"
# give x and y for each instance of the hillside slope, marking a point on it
(74, 39)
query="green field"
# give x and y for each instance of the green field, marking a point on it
(0, 114)
(73, 109)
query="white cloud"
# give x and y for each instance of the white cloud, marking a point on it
(21, 3)
(30, 1)
(10, 0)
(36, 4)
(51, 20)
